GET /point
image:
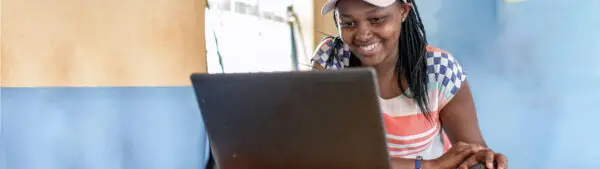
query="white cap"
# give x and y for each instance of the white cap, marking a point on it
(330, 4)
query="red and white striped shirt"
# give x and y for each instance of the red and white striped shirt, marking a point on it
(409, 133)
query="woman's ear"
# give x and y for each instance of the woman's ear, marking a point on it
(405, 10)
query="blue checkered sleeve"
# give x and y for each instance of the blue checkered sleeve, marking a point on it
(446, 73)
(322, 52)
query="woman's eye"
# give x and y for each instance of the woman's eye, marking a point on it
(376, 20)
(347, 24)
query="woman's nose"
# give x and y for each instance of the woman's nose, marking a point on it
(364, 33)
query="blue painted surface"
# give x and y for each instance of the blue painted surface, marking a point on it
(102, 128)
(534, 74)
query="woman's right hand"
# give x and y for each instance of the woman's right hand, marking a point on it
(455, 156)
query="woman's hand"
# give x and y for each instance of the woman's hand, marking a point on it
(488, 157)
(455, 156)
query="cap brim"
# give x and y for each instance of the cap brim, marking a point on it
(328, 7)
(381, 3)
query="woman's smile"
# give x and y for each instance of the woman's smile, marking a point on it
(368, 50)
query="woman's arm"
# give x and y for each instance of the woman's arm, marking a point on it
(402, 163)
(450, 160)
(459, 118)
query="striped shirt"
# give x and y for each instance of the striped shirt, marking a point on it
(409, 133)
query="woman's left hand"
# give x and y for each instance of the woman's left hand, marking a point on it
(488, 157)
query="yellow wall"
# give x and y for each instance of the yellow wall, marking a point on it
(323, 23)
(313, 23)
(101, 42)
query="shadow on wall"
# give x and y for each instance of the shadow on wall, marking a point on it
(532, 73)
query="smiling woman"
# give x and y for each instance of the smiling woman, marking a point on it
(426, 101)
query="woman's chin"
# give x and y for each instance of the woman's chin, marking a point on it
(370, 60)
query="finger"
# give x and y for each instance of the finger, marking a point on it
(462, 166)
(489, 159)
(462, 157)
(469, 162)
(481, 147)
(461, 146)
(466, 152)
(460, 143)
(501, 161)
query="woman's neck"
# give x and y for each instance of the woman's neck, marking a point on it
(387, 78)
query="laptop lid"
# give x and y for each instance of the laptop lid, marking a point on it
(315, 119)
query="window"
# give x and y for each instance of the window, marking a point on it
(253, 37)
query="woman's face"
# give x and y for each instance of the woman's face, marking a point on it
(371, 32)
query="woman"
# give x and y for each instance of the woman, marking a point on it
(425, 98)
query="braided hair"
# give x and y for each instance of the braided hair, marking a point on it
(412, 60)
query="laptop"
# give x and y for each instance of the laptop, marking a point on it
(293, 120)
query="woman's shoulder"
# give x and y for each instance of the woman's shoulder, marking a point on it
(440, 61)
(444, 70)
(324, 50)
(433, 52)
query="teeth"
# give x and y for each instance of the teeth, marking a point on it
(369, 47)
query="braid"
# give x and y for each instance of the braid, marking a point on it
(412, 60)
(334, 55)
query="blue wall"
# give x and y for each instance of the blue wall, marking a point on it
(101, 128)
(533, 72)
